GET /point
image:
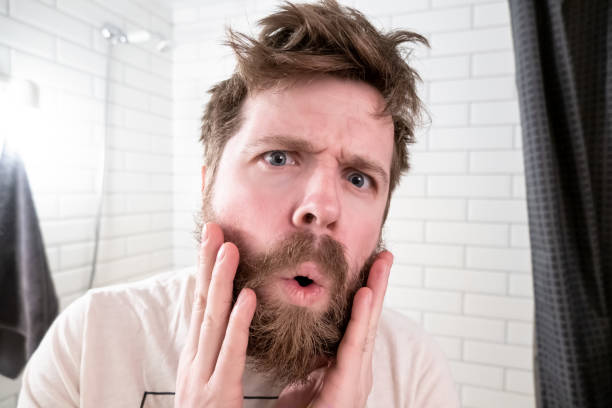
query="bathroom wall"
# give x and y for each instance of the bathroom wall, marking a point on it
(57, 44)
(458, 223)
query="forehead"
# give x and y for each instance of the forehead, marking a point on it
(327, 112)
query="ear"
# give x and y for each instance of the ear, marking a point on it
(203, 178)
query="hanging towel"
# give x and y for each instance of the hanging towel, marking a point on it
(28, 303)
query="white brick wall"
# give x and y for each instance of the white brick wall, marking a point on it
(458, 221)
(57, 44)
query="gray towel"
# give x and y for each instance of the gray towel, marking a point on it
(28, 303)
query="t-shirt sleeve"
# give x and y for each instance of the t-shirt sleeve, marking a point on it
(435, 387)
(51, 377)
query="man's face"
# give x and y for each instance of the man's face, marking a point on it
(309, 167)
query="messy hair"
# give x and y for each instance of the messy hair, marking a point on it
(305, 40)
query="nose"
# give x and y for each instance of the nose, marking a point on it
(319, 209)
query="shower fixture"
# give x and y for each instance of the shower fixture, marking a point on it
(138, 36)
(115, 36)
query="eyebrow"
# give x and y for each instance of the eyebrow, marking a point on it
(361, 163)
(285, 143)
(291, 143)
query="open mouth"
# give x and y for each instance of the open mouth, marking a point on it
(303, 281)
(305, 286)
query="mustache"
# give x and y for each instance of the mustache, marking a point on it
(299, 247)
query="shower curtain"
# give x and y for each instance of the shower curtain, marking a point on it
(564, 76)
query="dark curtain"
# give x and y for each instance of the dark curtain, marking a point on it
(564, 65)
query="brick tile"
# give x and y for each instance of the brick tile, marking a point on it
(498, 306)
(498, 354)
(484, 398)
(465, 280)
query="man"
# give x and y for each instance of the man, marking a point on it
(303, 146)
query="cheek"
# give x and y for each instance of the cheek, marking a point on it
(242, 204)
(260, 211)
(362, 237)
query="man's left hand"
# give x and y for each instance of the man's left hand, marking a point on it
(347, 381)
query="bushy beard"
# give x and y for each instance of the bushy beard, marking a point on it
(288, 342)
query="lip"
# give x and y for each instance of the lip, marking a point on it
(311, 271)
(313, 296)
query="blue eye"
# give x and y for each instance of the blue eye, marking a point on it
(276, 158)
(358, 179)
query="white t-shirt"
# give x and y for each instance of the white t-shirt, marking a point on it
(119, 347)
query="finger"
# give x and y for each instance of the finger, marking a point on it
(377, 282)
(352, 346)
(232, 358)
(212, 238)
(218, 307)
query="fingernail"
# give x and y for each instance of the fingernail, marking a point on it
(221, 253)
(204, 233)
(368, 298)
(241, 298)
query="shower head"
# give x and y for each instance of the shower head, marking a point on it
(138, 36)
(115, 35)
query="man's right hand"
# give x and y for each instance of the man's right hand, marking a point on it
(212, 361)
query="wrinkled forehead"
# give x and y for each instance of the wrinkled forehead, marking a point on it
(322, 109)
(320, 92)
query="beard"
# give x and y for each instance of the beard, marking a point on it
(287, 342)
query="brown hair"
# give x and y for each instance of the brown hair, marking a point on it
(308, 40)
